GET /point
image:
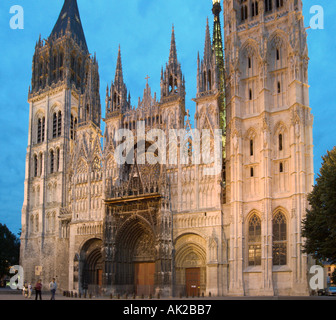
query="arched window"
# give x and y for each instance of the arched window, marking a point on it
(281, 169)
(250, 94)
(41, 70)
(35, 165)
(88, 111)
(72, 65)
(57, 159)
(61, 58)
(279, 239)
(75, 128)
(279, 3)
(279, 87)
(268, 5)
(280, 142)
(254, 8)
(244, 13)
(254, 241)
(40, 164)
(55, 62)
(55, 125)
(171, 83)
(43, 128)
(52, 161)
(251, 147)
(209, 80)
(39, 130)
(59, 124)
(252, 172)
(243, 10)
(73, 125)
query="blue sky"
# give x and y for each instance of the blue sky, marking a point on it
(143, 30)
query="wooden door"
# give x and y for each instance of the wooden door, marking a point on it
(144, 278)
(100, 277)
(193, 281)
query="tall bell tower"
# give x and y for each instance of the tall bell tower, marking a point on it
(64, 76)
(269, 147)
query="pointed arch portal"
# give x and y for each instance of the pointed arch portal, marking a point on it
(135, 257)
(190, 264)
(91, 266)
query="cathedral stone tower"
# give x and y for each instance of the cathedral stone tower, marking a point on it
(173, 89)
(269, 147)
(63, 95)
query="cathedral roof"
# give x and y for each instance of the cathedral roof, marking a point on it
(69, 20)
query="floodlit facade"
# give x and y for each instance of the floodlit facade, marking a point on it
(219, 210)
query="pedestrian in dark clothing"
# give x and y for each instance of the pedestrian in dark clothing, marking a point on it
(38, 289)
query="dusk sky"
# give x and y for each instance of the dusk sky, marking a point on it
(143, 30)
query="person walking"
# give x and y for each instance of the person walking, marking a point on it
(30, 288)
(38, 289)
(53, 287)
(24, 290)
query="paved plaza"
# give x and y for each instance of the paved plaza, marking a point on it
(8, 294)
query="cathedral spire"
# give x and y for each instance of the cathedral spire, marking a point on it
(63, 59)
(172, 81)
(207, 73)
(69, 22)
(217, 34)
(217, 47)
(119, 78)
(173, 51)
(207, 45)
(90, 107)
(117, 99)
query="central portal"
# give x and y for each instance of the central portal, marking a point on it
(193, 281)
(144, 278)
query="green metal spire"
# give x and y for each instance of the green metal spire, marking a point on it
(217, 35)
(217, 47)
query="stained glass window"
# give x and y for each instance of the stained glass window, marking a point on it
(279, 239)
(254, 241)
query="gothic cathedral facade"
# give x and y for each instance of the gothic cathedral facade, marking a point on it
(170, 227)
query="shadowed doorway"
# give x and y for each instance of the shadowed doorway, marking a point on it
(91, 262)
